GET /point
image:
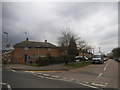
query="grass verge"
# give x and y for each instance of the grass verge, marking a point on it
(79, 64)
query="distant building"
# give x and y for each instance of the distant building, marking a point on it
(88, 55)
(32, 51)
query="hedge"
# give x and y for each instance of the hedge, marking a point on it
(55, 60)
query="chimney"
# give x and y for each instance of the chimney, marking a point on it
(26, 39)
(45, 41)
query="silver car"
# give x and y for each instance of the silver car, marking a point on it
(97, 59)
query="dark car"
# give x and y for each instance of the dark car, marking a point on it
(81, 58)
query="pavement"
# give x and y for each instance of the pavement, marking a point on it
(56, 67)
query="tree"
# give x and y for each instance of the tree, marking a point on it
(116, 52)
(65, 37)
(82, 45)
(72, 48)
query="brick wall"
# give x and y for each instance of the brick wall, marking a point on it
(86, 54)
(33, 53)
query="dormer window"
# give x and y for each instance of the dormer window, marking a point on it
(49, 49)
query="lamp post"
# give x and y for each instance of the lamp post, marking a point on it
(6, 39)
(5, 58)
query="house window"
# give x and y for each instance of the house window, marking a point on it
(49, 49)
(33, 48)
(26, 48)
(33, 56)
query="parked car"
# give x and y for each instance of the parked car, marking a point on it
(119, 59)
(98, 58)
(81, 58)
(116, 59)
(105, 58)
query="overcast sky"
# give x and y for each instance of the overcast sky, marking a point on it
(96, 23)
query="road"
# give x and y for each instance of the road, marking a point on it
(95, 76)
(99, 75)
(27, 80)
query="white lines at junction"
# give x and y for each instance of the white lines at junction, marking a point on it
(8, 86)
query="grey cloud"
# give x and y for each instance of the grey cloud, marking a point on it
(47, 19)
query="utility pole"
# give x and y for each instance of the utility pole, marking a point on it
(25, 35)
(93, 50)
(99, 50)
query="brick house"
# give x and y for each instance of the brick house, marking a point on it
(88, 55)
(32, 51)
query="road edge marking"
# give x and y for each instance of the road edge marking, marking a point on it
(98, 85)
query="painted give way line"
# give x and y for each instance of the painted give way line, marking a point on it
(8, 86)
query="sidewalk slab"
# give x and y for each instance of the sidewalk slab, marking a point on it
(54, 67)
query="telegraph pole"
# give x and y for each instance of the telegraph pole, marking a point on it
(99, 50)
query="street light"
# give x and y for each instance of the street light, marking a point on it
(6, 38)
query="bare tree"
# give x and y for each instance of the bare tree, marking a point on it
(65, 37)
(82, 45)
(88, 48)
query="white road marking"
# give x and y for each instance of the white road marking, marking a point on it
(64, 78)
(104, 68)
(50, 78)
(39, 73)
(98, 84)
(54, 76)
(40, 76)
(72, 79)
(81, 83)
(13, 70)
(88, 85)
(100, 74)
(31, 72)
(46, 74)
(8, 86)
(3, 83)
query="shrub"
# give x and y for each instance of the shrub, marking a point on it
(42, 62)
(55, 60)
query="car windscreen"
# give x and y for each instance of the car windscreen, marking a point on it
(97, 56)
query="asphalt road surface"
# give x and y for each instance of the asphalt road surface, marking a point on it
(100, 75)
(95, 76)
(27, 80)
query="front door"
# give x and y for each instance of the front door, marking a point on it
(25, 58)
